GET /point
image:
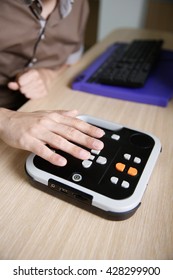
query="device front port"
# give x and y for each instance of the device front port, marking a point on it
(70, 192)
(80, 197)
(63, 190)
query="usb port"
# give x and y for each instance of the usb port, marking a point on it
(63, 190)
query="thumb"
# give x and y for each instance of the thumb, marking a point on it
(13, 85)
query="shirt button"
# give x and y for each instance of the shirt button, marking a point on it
(34, 60)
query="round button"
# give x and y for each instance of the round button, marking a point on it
(142, 140)
(76, 177)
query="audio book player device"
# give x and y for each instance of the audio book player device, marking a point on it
(111, 183)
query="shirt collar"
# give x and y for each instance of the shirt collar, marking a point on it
(65, 7)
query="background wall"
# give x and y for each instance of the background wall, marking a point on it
(107, 15)
(160, 15)
(120, 13)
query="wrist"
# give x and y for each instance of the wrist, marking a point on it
(4, 114)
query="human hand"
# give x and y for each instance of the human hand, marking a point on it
(59, 129)
(33, 83)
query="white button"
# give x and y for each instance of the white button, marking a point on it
(125, 184)
(114, 180)
(101, 160)
(86, 163)
(96, 152)
(115, 137)
(127, 156)
(92, 157)
(137, 160)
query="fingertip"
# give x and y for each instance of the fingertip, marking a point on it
(13, 85)
(100, 132)
(84, 154)
(57, 159)
(61, 162)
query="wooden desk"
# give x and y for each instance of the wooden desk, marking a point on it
(34, 225)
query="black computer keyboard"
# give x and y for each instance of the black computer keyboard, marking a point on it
(129, 65)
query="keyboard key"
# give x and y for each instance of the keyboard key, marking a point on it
(86, 163)
(114, 180)
(132, 171)
(101, 160)
(120, 166)
(129, 65)
(115, 137)
(95, 152)
(125, 184)
(127, 156)
(137, 160)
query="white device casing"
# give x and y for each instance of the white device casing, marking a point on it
(101, 201)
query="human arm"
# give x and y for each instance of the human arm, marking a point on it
(59, 129)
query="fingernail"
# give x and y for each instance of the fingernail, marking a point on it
(98, 145)
(100, 132)
(84, 154)
(62, 161)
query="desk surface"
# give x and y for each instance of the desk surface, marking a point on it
(34, 225)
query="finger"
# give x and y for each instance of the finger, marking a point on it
(70, 133)
(13, 85)
(60, 143)
(76, 123)
(82, 126)
(75, 136)
(44, 152)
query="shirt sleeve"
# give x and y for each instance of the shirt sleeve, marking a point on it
(74, 57)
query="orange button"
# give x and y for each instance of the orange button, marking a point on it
(120, 166)
(132, 171)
